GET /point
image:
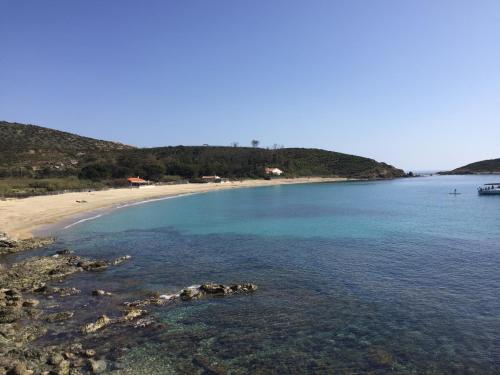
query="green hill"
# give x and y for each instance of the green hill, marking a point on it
(484, 166)
(31, 153)
(30, 150)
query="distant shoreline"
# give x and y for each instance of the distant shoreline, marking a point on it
(451, 173)
(20, 218)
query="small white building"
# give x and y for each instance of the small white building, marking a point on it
(274, 171)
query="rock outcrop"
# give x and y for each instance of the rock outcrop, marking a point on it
(32, 274)
(30, 306)
(24, 318)
(10, 246)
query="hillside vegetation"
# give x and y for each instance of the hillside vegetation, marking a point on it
(29, 152)
(484, 166)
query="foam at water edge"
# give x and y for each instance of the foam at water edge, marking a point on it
(127, 205)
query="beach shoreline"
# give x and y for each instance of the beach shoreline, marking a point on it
(22, 218)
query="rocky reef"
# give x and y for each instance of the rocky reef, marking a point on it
(10, 246)
(28, 293)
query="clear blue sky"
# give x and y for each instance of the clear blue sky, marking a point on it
(412, 83)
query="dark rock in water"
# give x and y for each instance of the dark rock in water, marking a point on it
(63, 292)
(55, 359)
(60, 316)
(211, 288)
(64, 252)
(153, 300)
(31, 302)
(245, 288)
(190, 293)
(120, 260)
(97, 265)
(6, 243)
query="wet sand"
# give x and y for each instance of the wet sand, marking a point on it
(20, 217)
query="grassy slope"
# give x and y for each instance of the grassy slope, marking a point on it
(36, 147)
(484, 166)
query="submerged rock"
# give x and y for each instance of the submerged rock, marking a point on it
(60, 316)
(100, 265)
(379, 357)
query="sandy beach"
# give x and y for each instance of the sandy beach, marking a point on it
(20, 217)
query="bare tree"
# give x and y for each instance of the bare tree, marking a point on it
(255, 143)
(234, 144)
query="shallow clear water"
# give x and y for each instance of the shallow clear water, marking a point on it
(381, 277)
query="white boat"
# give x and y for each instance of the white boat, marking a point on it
(489, 189)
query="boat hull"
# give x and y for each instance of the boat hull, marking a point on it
(489, 192)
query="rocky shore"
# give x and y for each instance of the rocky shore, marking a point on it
(10, 246)
(29, 291)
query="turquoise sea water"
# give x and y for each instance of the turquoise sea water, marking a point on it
(361, 277)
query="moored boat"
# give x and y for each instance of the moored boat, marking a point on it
(489, 189)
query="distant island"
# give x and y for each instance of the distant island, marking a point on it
(35, 160)
(491, 166)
